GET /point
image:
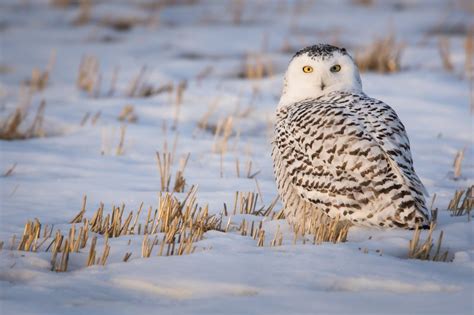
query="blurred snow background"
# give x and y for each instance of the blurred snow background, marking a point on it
(229, 57)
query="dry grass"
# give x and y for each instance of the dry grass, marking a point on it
(108, 142)
(120, 147)
(78, 218)
(31, 234)
(178, 102)
(170, 215)
(84, 14)
(316, 230)
(469, 53)
(237, 9)
(35, 236)
(93, 119)
(113, 81)
(246, 203)
(278, 238)
(256, 67)
(444, 49)
(457, 164)
(203, 122)
(9, 170)
(89, 77)
(459, 208)
(123, 23)
(423, 251)
(321, 227)
(365, 3)
(164, 162)
(182, 223)
(250, 172)
(40, 78)
(96, 117)
(383, 55)
(469, 66)
(203, 74)
(138, 87)
(223, 131)
(128, 114)
(11, 128)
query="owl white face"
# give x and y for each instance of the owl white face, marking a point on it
(318, 70)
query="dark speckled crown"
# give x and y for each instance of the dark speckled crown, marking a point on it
(322, 51)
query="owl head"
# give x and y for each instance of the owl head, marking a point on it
(317, 70)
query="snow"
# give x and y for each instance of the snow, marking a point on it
(228, 273)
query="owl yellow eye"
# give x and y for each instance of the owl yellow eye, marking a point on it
(336, 68)
(307, 69)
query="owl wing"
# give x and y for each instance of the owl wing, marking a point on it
(347, 163)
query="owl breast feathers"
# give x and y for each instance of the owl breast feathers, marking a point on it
(348, 155)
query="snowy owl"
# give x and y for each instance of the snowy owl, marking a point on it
(339, 152)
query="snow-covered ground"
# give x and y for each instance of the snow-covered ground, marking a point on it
(228, 273)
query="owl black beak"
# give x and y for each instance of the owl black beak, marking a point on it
(322, 85)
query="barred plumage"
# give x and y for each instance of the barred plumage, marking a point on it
(343, 153)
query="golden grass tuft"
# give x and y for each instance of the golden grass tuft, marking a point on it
(164, 162)
(203, 122)
(223, 131)
(457, 164)
(246, 203)
(178, 102)
(120, 147)
(255, 67)
(84, 14)
(459, 208)
(278, 238)
(171, 214)
(423, 251)
(40, 78)
(89, 77)
(322, 228)
(469, 66)
(182, 223)
(10, 129)
(138, 87)
(128, 114)
(444, 49)
(382, 56)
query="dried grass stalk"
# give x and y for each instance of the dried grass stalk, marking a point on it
(84, 15)
(179, 100)
(459, 208)
(458, 163)
(128, 114)
(164, 163)
(10, 128)
(423, 251)
(80, 215)
(88, 77)
(256, 67)
(222, 134)
(10, 170)
(120, 146)
(322, 228)
(445, 53)
(39, 79)
(383, 55)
